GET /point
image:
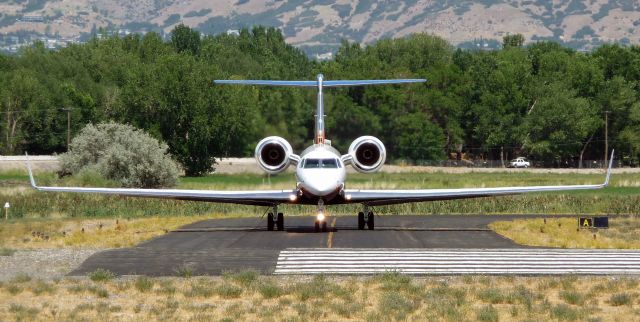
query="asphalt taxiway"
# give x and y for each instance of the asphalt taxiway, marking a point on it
(412, 244)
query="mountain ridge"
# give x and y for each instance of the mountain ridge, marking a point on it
(319, 26)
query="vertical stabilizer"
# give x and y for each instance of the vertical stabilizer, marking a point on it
(319, 130)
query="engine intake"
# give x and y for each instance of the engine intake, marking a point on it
(367, 154)
(273, 154)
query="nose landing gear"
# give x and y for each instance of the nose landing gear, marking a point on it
(321, 222)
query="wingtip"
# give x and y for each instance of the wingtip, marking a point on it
(31, 179)
(609, 169)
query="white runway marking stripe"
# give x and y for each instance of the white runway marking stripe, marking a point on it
(457, 261)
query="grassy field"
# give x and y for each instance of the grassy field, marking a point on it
(624, 232)
(386, 297)
(623, 196)
(45, 220)
(93, 233)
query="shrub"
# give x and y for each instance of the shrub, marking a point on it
(228, 291)
(42, 287)
(7, 252)
(620, 299)
(572, 297)
(121, 153)
(21, 278)
(143, 284)
(244, 277)
(487, 313)
(393, 303)
(101, 275)
(270, 290)
(185, 271)
(563, 312)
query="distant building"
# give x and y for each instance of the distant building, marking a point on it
(234, 32)
(32, 18)
(325, 56)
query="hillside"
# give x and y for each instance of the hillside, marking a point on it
(318, 26)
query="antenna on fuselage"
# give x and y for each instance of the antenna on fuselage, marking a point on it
(319, 133)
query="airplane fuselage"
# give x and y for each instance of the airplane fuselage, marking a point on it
(320, 174)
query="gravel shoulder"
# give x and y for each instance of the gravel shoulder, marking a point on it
(43, 263)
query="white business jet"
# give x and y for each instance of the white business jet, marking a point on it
(321, 172)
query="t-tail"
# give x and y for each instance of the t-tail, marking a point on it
(320, 83)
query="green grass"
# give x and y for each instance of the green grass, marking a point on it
(7, 251)
(622, 197)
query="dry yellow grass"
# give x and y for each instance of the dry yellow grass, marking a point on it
(94, 233)
(624, 233)
(250, 297)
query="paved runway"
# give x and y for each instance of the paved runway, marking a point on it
(213, 246)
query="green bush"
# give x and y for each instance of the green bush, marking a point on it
(487, 313)
(620, 299)
(121, 153)
(101, 275)
(143, 284)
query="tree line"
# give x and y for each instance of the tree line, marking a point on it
(542, 100)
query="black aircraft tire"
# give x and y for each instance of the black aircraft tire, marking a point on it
(270, 222)
(361, 220)
(317, 226)
(280, 221)
(324, 226)
(370, 221)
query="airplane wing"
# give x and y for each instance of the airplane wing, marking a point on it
(390, 197)
(254, 198)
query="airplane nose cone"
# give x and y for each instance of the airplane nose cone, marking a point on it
(322, 188)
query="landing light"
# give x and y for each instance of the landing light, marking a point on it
(347, 197)
(293, 197)
(320, 216)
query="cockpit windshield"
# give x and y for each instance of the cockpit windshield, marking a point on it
(321, 163)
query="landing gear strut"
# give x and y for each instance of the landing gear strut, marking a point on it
(278, 221)
(367, 220)
(321, 221)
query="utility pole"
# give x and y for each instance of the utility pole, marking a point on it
(68, 110)
(606, 138)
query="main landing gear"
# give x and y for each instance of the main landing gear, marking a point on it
(278, 222)
(367, 220)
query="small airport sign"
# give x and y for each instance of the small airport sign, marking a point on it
(593, 222)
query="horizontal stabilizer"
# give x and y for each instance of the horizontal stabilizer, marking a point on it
(268, 82)
(333, 83)
(337, 83)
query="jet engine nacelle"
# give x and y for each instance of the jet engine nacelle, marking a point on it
(273, 154)
(367, 154)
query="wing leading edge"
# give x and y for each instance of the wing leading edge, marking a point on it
(254, 198)
(390, 197)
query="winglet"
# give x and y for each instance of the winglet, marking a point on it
(609, 170)
(33, 181)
